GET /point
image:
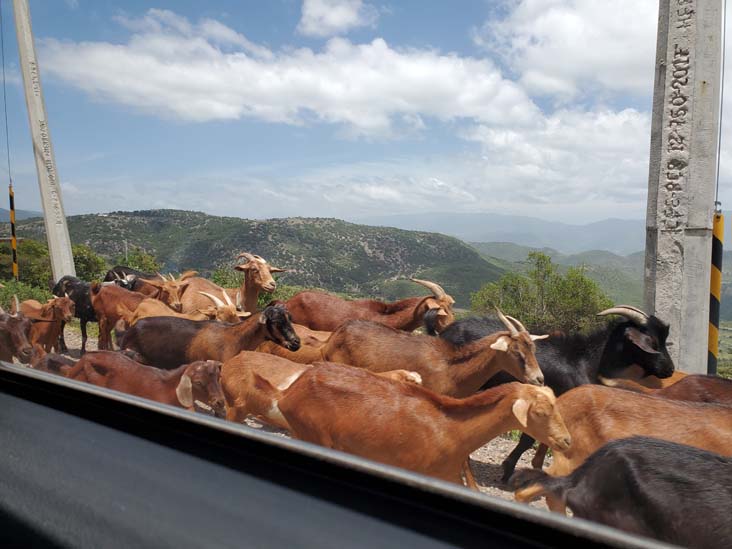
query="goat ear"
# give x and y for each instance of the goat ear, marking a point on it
(432, 304)
(641, 340)
(243, 267)
(536, 337)
(277, 270)
(262, 319)
(243, 314)
(521, 411)
(442, 312)
(501, 344)
(184, 391)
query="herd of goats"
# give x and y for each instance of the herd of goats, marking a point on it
(635, 445)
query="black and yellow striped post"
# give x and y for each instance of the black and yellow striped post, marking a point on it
(13, 239)
(715, 291)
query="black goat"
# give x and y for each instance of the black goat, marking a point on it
(671, 492)
(168, 342)
(127, 277)
(571, 360)
(78, 291)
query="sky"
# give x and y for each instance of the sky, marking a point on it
(344, 108)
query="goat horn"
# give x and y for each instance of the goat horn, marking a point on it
(518, 324)
(17, 305)
(227, 298)
(436, 289)
(248, 256)
(511, 327)
(213, 298)
(631, 313)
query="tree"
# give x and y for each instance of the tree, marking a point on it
(89, 266)
(34, 265)
(545, 299)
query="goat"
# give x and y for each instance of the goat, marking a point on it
(244, 396)
(106, 301)
(637, 374)
(50, 362)
(671, 492)
(695, 388)
(122, 272)
(169, 342)
(183, 386)
(568, 361)
(405, 425)
(596, 415)
(79, 292)
(445, 368)
(257, 278)
(326, 312)
(48, 320)
(14, 330)
(152, 307)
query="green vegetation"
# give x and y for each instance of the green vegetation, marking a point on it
(23, 291)
(620, 277)
(34, 264)
(545, 299)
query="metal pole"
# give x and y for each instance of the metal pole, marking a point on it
(57, 232)
(13, 238)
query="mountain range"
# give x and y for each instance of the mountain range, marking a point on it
(19, 215)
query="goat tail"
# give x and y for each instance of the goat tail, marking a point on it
(532, 484)
(627, 384)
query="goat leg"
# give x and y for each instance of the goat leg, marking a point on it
(83, 337)
(509, 464)
(540, 456)
(468, 476)
(61, 341)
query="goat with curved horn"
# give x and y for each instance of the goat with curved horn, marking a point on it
(215, 299)
(509, 325)
(436, 289)
(631, 313)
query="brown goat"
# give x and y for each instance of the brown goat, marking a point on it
(152, 307)
(637, 374)
(694, 388)
(326, 312)
(244, 396)
(48, 320)
(106, 299)
(170, 291)
(183, 386)
(595, 415)
(169, 342)
(50, 362)
(405, 425)
(457, 371)
(14, 331)
(257, 278)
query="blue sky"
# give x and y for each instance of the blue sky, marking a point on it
(342, 108)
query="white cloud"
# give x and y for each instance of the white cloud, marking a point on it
(72, 4)
(569, 48)
(175, 68)
(332, 17)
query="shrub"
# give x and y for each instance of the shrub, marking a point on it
(545, 299)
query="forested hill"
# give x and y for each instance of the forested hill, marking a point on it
(325, 253)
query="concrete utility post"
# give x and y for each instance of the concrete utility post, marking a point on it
(59, 243)
(682, 174)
